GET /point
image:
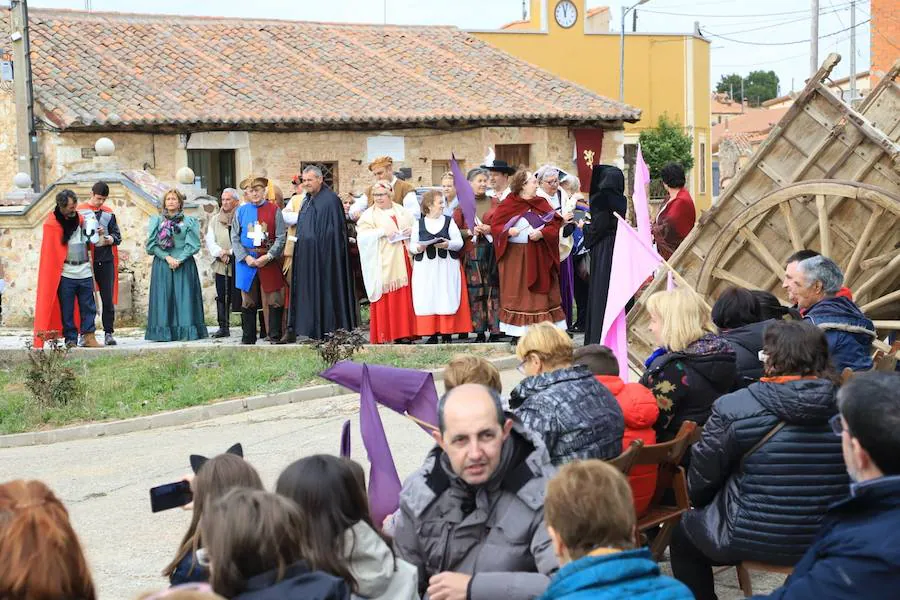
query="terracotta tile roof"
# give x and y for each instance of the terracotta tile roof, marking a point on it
(597, 10)
(147, 72)
(754, 121)
(721, 104)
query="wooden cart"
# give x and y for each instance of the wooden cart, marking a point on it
(827, 178)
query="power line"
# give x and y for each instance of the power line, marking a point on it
(771, 25)
(755, 43)
(730, 16)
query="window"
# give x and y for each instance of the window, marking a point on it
(215, 168)
(439, 167)
(516, 155)
(702, 168)
(329, 172)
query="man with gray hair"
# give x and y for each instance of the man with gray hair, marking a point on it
(218, 243)
(813, 283)
(471, 518)
(322, 299)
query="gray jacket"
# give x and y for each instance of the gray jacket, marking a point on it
(495, 532)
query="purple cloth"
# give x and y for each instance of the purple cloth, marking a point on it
(533, 218)
(384, 483)
(567, 288)
(345, 439)
(406, 391)
(464, 193)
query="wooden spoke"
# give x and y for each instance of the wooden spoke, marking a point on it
(824, 231)
(888, 325)
(763, 252)
(881, 274)
(879, 302)
(881, 259)
(860, 249)
(732, 278)
(788, 213)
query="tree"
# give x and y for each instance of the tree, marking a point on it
(730, 84)
(760, 86)
(665, 143)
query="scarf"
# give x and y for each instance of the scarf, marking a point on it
(69, 225)
(167, 230)
(225, 218)
(383, 263)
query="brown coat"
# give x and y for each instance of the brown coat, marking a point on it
(401, 189)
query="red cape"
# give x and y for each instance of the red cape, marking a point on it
(115, 253)
(542, 257)
(47, 317)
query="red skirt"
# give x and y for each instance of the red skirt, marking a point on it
(392, 317)
(461, 322)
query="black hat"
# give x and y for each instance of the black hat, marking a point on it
(501, 166)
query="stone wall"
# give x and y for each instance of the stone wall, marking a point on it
(8, 166)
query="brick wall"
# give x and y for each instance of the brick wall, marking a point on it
(885, 36)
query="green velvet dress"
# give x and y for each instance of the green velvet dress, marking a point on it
(175, 311)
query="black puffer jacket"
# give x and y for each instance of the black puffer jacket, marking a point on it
(575, 415)
(747, 341)
(771, 508)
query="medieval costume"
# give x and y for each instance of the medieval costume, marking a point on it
(258, 232)
(480, 267)
(105, 257)
(175, 309)
(387, 273)
(674, 222)
(218, 243)
(561, 203)
(581, 264)
(359, 286)
(529, 270)
(404, 193)
(440, 300)
(64, 276)
(323, 299)
(607, 196)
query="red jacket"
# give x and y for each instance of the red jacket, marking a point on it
(641, 411)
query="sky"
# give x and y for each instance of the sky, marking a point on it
(737, 28)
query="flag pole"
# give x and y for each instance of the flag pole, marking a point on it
(421, 423)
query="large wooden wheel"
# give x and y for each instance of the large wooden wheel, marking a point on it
(856, 224)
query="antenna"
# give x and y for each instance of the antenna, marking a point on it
(87, 5)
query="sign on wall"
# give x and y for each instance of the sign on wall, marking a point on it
(386, 145)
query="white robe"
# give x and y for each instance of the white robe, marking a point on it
(436, 282)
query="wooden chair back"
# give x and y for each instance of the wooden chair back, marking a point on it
(625, 461)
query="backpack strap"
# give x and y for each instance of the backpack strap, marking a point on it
(760, 443)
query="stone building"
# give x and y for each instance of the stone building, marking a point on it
(234, 97)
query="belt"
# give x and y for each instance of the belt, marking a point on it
(76, 262)
(260, 249)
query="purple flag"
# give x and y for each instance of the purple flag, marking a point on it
(641, 197)
(384, 483)
(534, 219)
(464, 193)
(402, 390)
(345, 439)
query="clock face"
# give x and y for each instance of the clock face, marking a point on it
(566, 14)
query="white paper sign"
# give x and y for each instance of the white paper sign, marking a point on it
(386, 145)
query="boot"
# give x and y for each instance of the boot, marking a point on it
(289, 337)
(276, 313)
(90, 341)
(222, 314)
(248, 326)
(263, 334)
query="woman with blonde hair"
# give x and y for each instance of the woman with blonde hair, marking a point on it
(41, 555)
(694, 364)
(383, 235)
(575, 415)
(175, 310)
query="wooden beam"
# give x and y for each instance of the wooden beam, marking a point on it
(763, 252)
(889, 325)
(874, 279)
(824, 231)
(860, 249)
(861, 123)
(881, 259)
(886, 299)
(731, 278)
(788, 213)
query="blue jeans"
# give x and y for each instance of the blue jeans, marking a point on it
(69, 290)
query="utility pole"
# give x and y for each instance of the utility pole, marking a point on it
(524, 10)
(852, 52)
(634, 22)
(28, 160)
(625, 10)
(814, 38)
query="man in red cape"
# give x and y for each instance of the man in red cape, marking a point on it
(105, 257)
(534, 298)
(59, 227)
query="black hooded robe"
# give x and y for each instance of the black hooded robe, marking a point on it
(322, 299)
(607, 196)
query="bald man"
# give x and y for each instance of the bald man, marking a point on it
(472, 517)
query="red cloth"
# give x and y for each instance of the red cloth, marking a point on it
(271, 278)
(674, 222)
(47, 316)
(392, 316)
(845, 293)
(115, 253)
(542, 257)
(641, 411)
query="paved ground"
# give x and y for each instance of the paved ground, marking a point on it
(105, 482)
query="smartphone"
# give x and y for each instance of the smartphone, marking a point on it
(170, 495)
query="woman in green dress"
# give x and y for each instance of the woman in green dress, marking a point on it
(175, 311)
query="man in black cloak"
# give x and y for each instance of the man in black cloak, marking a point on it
(607, 196)
(322, 298)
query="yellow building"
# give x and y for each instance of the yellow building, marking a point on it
(664, 73)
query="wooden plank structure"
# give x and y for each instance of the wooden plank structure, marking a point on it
(827, 178)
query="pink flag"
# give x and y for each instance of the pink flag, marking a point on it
(634, 260)
(670, 281)
(641, 197)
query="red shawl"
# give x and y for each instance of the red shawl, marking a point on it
(542, 257)
(674, 222)
(47, 316)
(115, 253)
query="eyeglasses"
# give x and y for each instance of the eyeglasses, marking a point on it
(521, 367)
(837, 425)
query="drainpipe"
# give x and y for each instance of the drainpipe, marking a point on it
(27, 141)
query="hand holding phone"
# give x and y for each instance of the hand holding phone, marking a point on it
(170, 495)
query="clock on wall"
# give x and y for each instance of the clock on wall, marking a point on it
(566, 14)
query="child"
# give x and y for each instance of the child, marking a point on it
(640, 410)
(465, 368)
